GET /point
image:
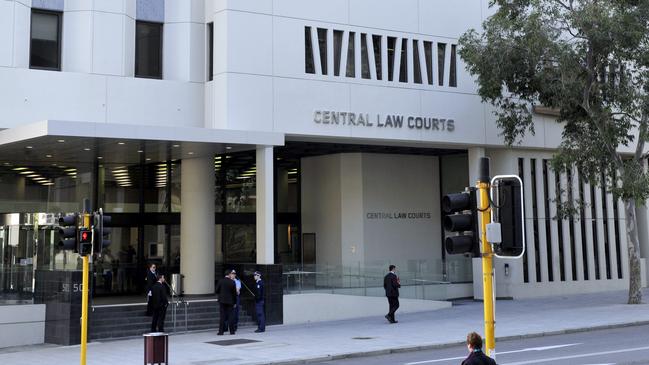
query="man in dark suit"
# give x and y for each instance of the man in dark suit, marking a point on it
(476, 356)
(391, 285)
(151, 278)
(226, 290)
(159, 303)
(260, 303)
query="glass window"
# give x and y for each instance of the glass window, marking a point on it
(148, 50)
(376, 40)
(240, 183)
(453, 81)
(365, 58)
(156, 187)
(441, 55)
(116, 271)
(416, 61)
(39, 187)
(309, 65)
(175, 186)
(210, 51)
(120, 191)
(351, 54)
(338, 45)
(428, 53)
(403, 70)
(392, 41)
(45, 45)
(322, 44)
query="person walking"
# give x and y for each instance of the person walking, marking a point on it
(227, 291)
(151, 278)
(476, 356)
(391, 285)
(235, 310)
(159, 303)
(259, 303)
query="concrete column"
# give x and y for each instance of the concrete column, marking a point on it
(265, 222)
(197, 225)
(184, 40)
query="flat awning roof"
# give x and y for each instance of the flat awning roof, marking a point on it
(71, 141)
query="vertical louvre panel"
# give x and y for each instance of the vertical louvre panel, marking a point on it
(338, 50)
(567, 241)
(365, 57)
(428, 52)
(599, 219)
(357, 54)
(577, 221)
(330, 51)
(409, 61)
(588, 225)
(416, 63)
(452, 79)
(403, 65)
(369, 41)
(441, 56)
(397, 59)
(351, 55)
(530, 250)
(309, 66)
(554, 224)
(384, 58)
(612, 240)
(323, 47)
(344, 52)
(541, 220)
(521, 174)
(315, 47)
(422, 62)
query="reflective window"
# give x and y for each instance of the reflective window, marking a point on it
(239, 241)
(120, 191)
(45, 45)
(351, 55)
(148, 50)
(210, 51)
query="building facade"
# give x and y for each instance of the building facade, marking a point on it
(311, 138)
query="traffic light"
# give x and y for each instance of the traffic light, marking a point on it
(68, 226)
(462, 220)
(85, 241)
(101, 231)
(508, 211)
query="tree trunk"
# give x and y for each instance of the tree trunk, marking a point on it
(633, 246)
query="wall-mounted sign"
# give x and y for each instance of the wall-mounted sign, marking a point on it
(398, 215)
(383, 121)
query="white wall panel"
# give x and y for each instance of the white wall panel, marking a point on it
(441, 18)
(220, 43)
(129, 46)
(110, 6)
(37, 95)
(250, 47)
(385, 15)
(334, 11)
(185, 11)
(250, 105)
(255, 6)
(77, 41)
(6, 33)
(108, 43)
(158, 102)
(22, 30)
(294, 101)
(176, 51)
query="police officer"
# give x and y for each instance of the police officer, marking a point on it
(259, 303)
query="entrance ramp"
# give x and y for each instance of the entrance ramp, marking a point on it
(318, 307)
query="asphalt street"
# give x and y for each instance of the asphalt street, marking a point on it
(627, 345)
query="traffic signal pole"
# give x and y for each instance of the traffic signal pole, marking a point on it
(484, 208)
(84, 298)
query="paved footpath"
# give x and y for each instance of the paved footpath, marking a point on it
(296, 344)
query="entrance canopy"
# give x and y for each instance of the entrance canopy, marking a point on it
(69, 141)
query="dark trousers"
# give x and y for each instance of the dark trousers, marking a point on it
(158, 320)
(225, 320)
(394, 305)
(235, 314)
(261, 316)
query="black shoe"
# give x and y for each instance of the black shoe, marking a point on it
(387, 316)
(259, 331)
(220, 334)
(394, 321)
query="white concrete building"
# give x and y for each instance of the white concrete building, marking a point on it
(320, 135)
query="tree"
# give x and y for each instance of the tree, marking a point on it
(588, 60)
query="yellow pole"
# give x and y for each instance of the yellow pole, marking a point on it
(487, 269)
(84, 300)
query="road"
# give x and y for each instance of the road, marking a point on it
(627, 345)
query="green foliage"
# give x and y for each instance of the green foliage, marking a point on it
(587, 59)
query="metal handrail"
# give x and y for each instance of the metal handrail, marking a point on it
(174, 307)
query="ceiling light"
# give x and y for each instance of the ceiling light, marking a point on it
(70, 170)
(140, 151)
(190, 153)
(19, 168)
(29, 147)
(121, 143)
(26, 172)
(61, 140)
(86, 149)
(47, 183)
(228, 147)
(48, 156)
(99, 157)
(176, 145)
(120, 170)
(148, 159)
(34, 175)
(40, 178)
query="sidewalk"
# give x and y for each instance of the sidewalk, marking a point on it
(329, 340)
